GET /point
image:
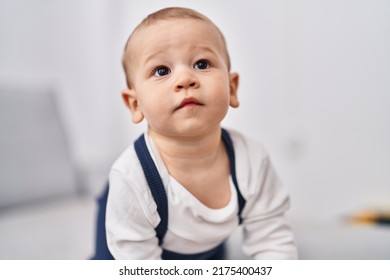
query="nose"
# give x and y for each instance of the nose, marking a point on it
(185, 80)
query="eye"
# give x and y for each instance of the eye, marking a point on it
(201, 64)
(161, 71)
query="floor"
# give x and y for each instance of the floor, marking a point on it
(64, 229)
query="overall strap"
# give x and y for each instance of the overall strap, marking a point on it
(217, 253)
(232, 162)
(155, 184)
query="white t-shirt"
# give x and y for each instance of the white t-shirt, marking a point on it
(131, 215)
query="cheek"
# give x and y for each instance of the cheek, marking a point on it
(153, 107)
(148, 107)
(220, 100)
(221, 91)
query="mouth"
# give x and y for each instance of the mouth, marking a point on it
(189, 102)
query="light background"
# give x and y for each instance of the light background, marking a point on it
(314, 88)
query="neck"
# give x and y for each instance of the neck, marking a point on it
(189, 153)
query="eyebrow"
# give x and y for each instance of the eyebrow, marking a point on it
(158, 52)
(204, 48)
(151, 57)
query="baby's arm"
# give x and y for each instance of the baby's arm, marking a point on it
(267, 233)
(130, 221)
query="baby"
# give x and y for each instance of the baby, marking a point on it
(186, 184)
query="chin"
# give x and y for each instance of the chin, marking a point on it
(197, 129)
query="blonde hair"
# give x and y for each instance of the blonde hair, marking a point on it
(166, 14)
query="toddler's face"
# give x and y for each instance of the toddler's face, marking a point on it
(180, 78)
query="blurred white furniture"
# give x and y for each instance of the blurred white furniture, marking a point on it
(340, 240)
(43, 212)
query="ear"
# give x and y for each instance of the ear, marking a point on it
(233, 82)
(130, 98)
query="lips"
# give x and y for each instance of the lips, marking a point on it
(189, 102)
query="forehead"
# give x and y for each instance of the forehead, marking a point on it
(174, 33)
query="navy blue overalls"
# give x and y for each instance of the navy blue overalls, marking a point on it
(159, 195)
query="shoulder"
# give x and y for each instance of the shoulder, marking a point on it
(128, 186)
(252, 162)
(127, 162)
(257, 178)
(248, 151)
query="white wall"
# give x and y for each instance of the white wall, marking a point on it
(315, 84)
